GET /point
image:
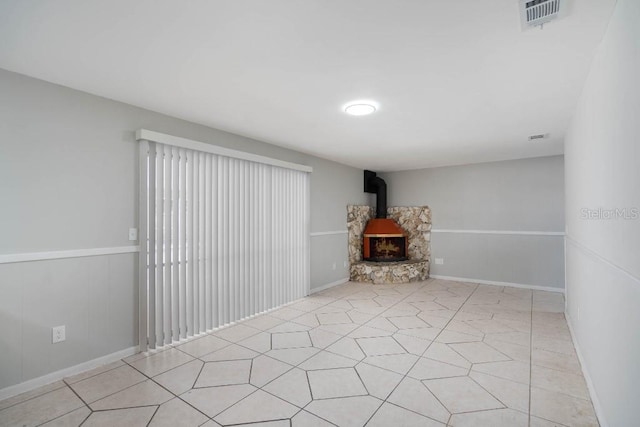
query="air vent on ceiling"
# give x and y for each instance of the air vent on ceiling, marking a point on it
(538, 12)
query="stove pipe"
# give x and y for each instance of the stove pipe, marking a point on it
(375, 184)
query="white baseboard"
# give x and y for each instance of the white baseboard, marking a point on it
(592, 391)
(492, 282)
(328, 285)
(63, 373)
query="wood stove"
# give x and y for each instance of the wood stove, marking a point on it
(384, 240)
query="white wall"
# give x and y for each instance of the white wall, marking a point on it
(68, 180)
(516, 195)
(602, 152)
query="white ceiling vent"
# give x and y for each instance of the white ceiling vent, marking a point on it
(535, 13)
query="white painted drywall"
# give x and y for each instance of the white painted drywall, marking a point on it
(516, 195)
(602, 152)
(68, 180)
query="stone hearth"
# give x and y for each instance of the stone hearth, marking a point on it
(416, 221)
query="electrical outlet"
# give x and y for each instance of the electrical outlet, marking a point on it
(346, 264)
(334, 266)
(439, 261)
(58, 334)
(133, 234)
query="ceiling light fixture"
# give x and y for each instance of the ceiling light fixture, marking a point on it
(360, 108)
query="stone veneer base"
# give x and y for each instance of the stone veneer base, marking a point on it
(389, 272)
(416, 221)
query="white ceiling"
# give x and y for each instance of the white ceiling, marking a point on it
(457, 80)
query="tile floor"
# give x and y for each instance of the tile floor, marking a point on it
(434, 353)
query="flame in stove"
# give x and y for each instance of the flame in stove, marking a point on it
(386, 248)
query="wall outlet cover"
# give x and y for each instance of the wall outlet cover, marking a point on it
(58, 334)
(133, 234)
(439, 261)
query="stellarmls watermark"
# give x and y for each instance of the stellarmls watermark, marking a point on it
(610, 214)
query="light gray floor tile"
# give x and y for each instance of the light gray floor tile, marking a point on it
(392, 415)
(257, 407)
(31, 394)
(400, 363)
(510, 370)
(290, 340)
(177, 413)
(562, 408)
(327, 360)
(330, 383)
(559, 381)
(557, 361)
(413, 395)
(72, 419)
(293, 356)
(378, 382)
(236, 333)
(201, 346)
(146, 393)
(161, 362)
(180, 379)
(224, 373)
(462, 394)
(426, 369)
(347, 347)
(333, 318)
(512, 394)
(132, 417)
(260, 342)
(266, 369)
(233, 352)
(478, 352)
(380, 346)
(293, 387)
(306, 419)
(40, 409)
(411, 344)
(346, 411)
(93, 372)
(213, 400)
(107, 383)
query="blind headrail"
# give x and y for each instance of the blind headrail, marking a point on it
(176, 141)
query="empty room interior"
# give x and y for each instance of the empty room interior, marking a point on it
(320, 213)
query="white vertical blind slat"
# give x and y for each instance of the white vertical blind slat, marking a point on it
(190, 245)
(160, 244)
(225, 243)
(143, 236)
(201, 243)
(168, 243)
(152, 256)
(214, 246)
(207, 244)
(175, 247)
(195, 261)
(182, 216)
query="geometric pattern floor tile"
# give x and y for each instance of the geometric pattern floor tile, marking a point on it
(462, 394)
(224, 373)
(432, 353)
(329, 383)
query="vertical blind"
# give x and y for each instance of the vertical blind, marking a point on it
(226, 238)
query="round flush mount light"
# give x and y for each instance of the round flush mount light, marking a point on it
(360, 108)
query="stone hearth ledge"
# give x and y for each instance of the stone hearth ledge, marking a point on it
(389, 272)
